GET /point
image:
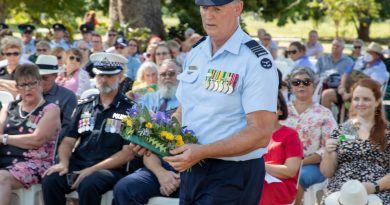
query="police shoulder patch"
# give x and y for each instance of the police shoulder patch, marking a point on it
(200, 41)
(256, 48)
(266, 63)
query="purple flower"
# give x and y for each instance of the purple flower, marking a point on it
(133, 111)
(162, 117)
(185, 131)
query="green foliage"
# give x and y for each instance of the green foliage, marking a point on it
(142, 35)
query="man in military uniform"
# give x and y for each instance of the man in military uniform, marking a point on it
(228, 96)
(86, 33)
(64, 98)
(97, 162)
(27, 37)
(59, 32)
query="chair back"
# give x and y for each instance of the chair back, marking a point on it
(6, 97)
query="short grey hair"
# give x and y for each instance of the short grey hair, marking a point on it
(340, 41)
(171, 62)
(303, 71)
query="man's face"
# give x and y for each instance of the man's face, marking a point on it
(167, 74)
(121, 49)
(87, 36)
(58, 34)
(107, 83)
(221, 21)
(48, 81)
(27, 36)
(313, 37)
(337, 48)
(97, 43)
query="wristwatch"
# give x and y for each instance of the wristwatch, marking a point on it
(4, 139)
(377, 187)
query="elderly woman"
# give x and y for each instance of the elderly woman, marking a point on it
(28, 131)
(162, 52)
(59, 52)
(75, 78)
(42, 47)
(146, 80)
(283, 160)
(314, 124)
(360, 147)
(297, 52)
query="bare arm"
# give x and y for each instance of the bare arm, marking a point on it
(3, 116)
(8, 85)
(329, 162)
(284, 171)
(312, 159)
(41, 134)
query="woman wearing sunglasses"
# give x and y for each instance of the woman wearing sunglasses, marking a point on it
(74, 78)
(297, 52)
(162, 52)
(28, 131)
(314, 124)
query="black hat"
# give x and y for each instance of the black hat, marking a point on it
(26, 28)
(107, 63)
(3, 26)
(212, 2)
(85, 28)
(58, 27)
(120, 41)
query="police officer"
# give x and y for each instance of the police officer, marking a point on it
(97, 162)
(64, 98)
(59, 33)
(228, 96)
(86, 33)
(27, 37)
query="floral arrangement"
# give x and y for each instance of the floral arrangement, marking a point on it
(157, 132)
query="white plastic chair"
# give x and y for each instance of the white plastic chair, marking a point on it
(89, 92)
(163, 201)
(310, 195)
(6, 97)
(106, 198)
(29, 196)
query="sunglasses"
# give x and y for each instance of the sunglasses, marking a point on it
(25, 86)
(72, 58)
(357, 47)
(169, 74)
(84, 49)
(41, 50)
(119, 47)
(133, 45)
(292, 52)
(59, 57)
(297, 82)
(12, 54)
(162, 54)
(97, 42)
(111, 34)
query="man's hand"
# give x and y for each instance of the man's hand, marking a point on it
(185, 156)
(139, 150)
(61, 168)
(82, 174)
(370, 187)
(169, 182)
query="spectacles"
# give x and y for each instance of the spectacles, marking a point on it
(119, 47)
(26, 86)
(41, 50)
(162, 54)
(133, 45)
(357, 47)
(266, 39)
(96, 42)
(168, 74)
(111, 34)
(291, 52)
(59, 57)
(12, 54)
(305, 82)
(84, 49)
(72, 58)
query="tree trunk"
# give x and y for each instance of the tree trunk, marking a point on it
(113, 14)
(145, 13)
(3, 10)
(337, 25)
(364, 29)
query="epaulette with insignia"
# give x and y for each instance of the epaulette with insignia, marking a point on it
(200, 41)
(256, 48)
(86, 100)
(128, 100)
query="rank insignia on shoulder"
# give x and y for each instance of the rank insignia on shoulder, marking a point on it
(256, 48)
(266, 63)
(220, 81)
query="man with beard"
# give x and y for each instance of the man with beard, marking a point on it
(96, 164)
(164, 99)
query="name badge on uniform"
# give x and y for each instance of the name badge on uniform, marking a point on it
(220, 81)
(192, 69)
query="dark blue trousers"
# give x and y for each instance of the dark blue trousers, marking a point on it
(90, 190)
(223, 182)
(138, 187)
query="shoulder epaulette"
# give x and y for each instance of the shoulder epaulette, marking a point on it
(200, 41)
(256, 48)
(87, 99)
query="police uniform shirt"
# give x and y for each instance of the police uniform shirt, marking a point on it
(61, 43)
(66, 100)
(214, 114)
(29, 48)
(98, 129)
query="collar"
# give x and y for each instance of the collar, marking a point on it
(115, 103)
(232, 45)
(53, 90)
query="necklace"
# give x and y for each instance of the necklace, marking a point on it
(28, 114)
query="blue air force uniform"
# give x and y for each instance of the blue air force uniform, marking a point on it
(216, 93)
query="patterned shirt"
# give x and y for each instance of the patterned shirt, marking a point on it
(314, 126)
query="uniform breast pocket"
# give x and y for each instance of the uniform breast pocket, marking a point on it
(188, 76)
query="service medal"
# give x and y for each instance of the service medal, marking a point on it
(230, 90)
(225, 87)
(108, 125)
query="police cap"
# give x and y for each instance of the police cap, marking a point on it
(107, 63)
(26, 28)
(85, 28)
(212, 2)
(58, 27)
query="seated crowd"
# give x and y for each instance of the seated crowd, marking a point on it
(48, 138)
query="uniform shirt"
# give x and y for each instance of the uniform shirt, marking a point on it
(66, 100)
(61, 43)
(376, 71)
(343, 65)
(153, 101)
(215, 115)
(98, 129)
(29, 48)
(314, 50)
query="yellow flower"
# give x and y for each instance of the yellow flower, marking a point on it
(129, 122)
(179, 138)
(179, 143)
(149, 125)
(170, 136)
